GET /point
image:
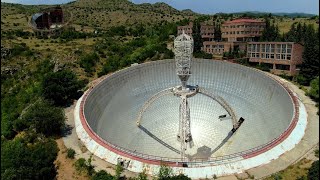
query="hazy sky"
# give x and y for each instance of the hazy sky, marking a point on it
(215, 6)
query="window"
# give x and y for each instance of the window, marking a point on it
(263, 48)
(283, 56)
(268, 48)
(253, 55)
(283, 67)
(283, 48)
(278, 56)
(263, 55)
(257, 55)
(288, 50)
(272, 56)
(267, 56)
(253, 48)
(207, 46)
(288, 56)
(272, 48)
(278, 47)
(258, 47)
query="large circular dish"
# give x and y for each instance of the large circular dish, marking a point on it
(110, 109)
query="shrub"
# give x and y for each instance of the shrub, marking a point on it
(314, 90)
(102, 175)
(88, 62)
(70, 153)
(165, 172)
(313, 173)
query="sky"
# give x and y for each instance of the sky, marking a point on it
(215, 6)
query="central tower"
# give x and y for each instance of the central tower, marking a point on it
(183, 49)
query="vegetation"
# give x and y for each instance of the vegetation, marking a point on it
(42, 116)
(61, 87)
(313, 173)
(71, 153)
(102, 175)
(88, 62)
(84, 166)
(271, 32)
(28, 157)
(119, 170)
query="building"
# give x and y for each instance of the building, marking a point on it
(242, 30)
(281, 57)
(48, 18)
(218, 48)
(206, 31)
(187, 29)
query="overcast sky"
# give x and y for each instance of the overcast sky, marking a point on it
(215, 6)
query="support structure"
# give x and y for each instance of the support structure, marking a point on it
(183, 49)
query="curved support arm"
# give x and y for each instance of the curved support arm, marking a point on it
(151, 100)
(224, 104)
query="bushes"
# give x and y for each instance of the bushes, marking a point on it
(313, 173)
(83, 165)
(70, 153)
(314, 90)
(203, 55)
(88, 61)
(102, 175)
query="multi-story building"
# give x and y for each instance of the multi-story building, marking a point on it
(244, 30)
(206, 31)
(282, 57)
(187, 29)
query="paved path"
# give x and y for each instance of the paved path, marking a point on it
(305, 148)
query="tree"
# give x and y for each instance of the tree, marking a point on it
(61, 87)
(313, 173)
(217, 32)
(119, 170)
(28, 158)
(271, 32)
(310, 66)
(142, 176)
(165, 172)
(197, 39)
(102, 175)
(42, 116)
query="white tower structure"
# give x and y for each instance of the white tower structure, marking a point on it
(183, 49)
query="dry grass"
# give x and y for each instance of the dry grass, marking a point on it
(295, 171)
(285, 23)
(65, 166)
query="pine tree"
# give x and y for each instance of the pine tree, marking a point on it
(217, 32)
(309, 68)
(197, 40)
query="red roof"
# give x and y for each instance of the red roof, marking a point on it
(243, 20)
